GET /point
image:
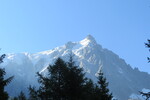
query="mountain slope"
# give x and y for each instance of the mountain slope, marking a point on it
(123, 79)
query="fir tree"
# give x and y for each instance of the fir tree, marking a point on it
(53, 86)
(76, 81)
(3, 82)
(102, 88)
(66, 81)
(89, 90)
(33, 94)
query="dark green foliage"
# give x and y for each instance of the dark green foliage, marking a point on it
(22, 96)
(3, 82)
(66, 81)
(98, 91)
(102, 88)
(89, 90)
(33, 94)
(76, 81)
(53, 86)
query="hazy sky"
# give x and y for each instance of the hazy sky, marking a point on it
(38, 25)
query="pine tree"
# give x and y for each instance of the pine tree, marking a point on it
(33, 94)
(76, 81)
(66, 81)
(102, 88)
(53, 86)
(3, 82)
(89, 90)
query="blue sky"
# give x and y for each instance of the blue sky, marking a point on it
(38, 25)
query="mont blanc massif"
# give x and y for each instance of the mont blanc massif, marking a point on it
(125, 82)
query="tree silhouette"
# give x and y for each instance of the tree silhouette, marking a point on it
(53, 86)
(3, 82)
(102, 88)
(75, 81)
(66, 81)
(33, 94)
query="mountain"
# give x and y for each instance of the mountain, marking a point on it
(124, 81)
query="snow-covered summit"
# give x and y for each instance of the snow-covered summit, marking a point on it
(88, 40)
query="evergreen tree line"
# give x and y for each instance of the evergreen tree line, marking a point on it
(64, 81)
(3, 82)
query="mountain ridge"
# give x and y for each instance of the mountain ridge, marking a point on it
(89, 55)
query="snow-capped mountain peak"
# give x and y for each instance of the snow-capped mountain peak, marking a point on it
(123, 79)
(88, 40)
